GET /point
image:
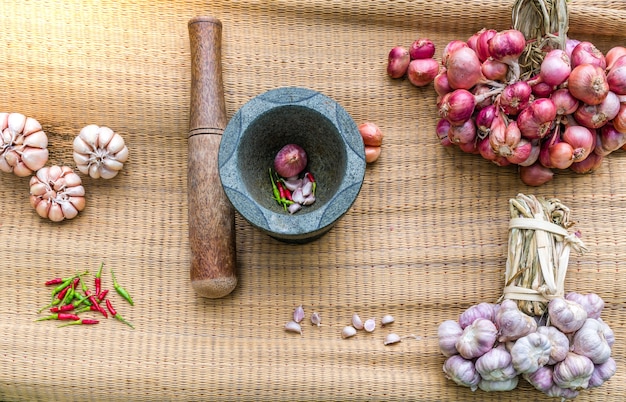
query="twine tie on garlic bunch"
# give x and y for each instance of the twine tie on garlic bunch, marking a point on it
(538, 255)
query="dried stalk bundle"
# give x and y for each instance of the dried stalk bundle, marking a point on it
(539, 249)
(544, 23)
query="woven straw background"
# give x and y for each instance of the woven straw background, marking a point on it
(426, 238)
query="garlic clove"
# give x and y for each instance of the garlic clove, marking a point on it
(38, 139)
(54, 172)
(356, 321)
(38, 188)
(293, 326)
(89, 134)
(116, 144)
(16, 122)
(122, 155)
(68, 210)
(35, 158)
(297, 196)
(21, 170)
(32, 126)
(369, 325)
(94, 171)
(293, 208)
(293, 183)
(81, 147)
(298, 314)
(72, 180)
(386, 320)
(75, 191)
(112, 164)
(316, 319)
(78, 202)
(105, 135)
(42, 208)
(348, 332)
(80, 159)
(4, 165)
(391, 339)
(84, 169)
(310, 199)
(55, 213)
(307, 189)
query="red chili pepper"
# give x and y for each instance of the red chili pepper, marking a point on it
(62, 293)
(75, 283)
(97, 280)
(60, 316)
(97, 306)
(54, 281)
(84, 321)
(103, 294)
(116, 315)
(312, 180)
(61, 309)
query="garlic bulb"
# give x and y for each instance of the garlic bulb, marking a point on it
(496, 365)
(481, 310)
(504, 385)
(609, 335)
(477, 338)
(540, 379)
(530, 352)
(559, 342)
(590, 341)
(574, 372)
(99, 152)
(23, 144)
(566, 315)
(461, 371)
(591, 302)
(449, 333)
(602, 372)
(512, 322)
(563, 393)
(57, 193)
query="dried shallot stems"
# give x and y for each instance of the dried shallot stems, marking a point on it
(538, 254)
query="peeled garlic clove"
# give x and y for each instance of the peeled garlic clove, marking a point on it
(348, 332)
(293, 208)
(298, 314)
(356, 321)
(391, 339)
(316, 319)
(293, 326)
(386, 320)
(369, 325)
(307, 189)
(297, 196)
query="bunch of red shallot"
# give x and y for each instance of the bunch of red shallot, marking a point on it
(494, 346)
(570, 114)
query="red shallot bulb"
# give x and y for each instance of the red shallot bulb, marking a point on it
(506, 46)
(555, 67)
(564, 102)
(535, 174)
(422, 48)
(494, 70)
(449, 48)
(515, 97)
(56, 193)
(613, 54)
(570, 44)
(581, 139)
(587, 53)
(99, 152)
(464, 133)
(588, 165)
(371, 134)
(372, 153)
(442, 130)
(441, 84)
(422, 72)
(561, 155)
(536, 121)
(398, 62)
(596, 116)
(619, 121)
(608, 140)
(290, 160)
(616, 77)
(521, 152)
(588, 83)
(23, 144)
(484, 119)
(482, 43)
(457, 107)
(463, 68)
(542, 90)
(484, 95)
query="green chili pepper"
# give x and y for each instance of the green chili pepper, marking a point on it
(81, 300)
(121, 291)
(274, 187)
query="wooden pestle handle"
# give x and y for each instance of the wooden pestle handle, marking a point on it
(211, 216)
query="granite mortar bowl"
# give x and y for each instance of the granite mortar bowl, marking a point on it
(335, 151)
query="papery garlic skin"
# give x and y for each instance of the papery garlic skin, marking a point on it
(498, 386)
(566, 315)
(530, 352)
(574, 372)
(513, 323)
(481, 310)
(558, 340)
(23, 144)
(602, 373)
(496, 365)
(590, 341)
(591, 302)
(99, 152)
(56, 193)
(461, 371)
(477, 338)
(448, 334)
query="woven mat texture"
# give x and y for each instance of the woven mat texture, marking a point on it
(425, 239)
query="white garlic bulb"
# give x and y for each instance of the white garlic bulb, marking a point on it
(591, 302)
(602, 373)
(574, 372)
(512, 322)
(530, 352)
(477, 338)
(99, 152)
(461, 371)
(480, 310)
(57, 193)
(559, 341)
(23, 144)
(503, 385)
(541, 379)
(496, 365)
(448, 334)
(566, 315)
(590, 341)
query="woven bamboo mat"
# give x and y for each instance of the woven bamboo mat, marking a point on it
(426, 238)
